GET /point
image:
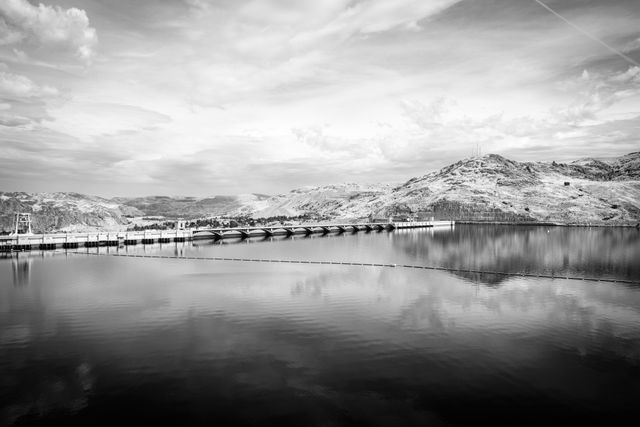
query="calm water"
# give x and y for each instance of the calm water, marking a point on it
(88, 340)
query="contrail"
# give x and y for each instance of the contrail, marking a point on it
(592, 37)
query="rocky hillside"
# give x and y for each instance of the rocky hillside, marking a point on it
(495, 188)
(488, 188)
(194, 207)
(334, 201)
(64, 211)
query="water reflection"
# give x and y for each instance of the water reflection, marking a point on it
(48, 391)
(191, 342)
(21, 268)
(585, 252)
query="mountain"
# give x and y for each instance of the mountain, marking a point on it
(64, 211)
(193, 207)
(494, 188)
(333, 201)
(487, 188)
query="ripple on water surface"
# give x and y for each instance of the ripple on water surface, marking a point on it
(87, 339)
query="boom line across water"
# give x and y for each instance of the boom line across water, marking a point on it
(364, 264)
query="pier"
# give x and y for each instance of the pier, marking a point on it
(27, 241)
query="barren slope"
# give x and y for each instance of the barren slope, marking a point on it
(490, 188)
(64, 211)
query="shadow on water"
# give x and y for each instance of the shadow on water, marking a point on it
(562, 251)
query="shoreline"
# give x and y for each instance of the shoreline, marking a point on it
(465, 222)
(547, 224)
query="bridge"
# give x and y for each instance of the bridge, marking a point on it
(28, 241)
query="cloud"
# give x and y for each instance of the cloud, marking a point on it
(597, 92)
(443, 126)
(319, 90)
(85, 119)
(279, 48)
(22, 22)
(13, 121)
(16, 86)
(592, 93)
(224, 83)
(198, 5)
(315, 136)
(374, 16)
(631, 46)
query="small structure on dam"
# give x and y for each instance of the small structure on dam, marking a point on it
(22, 224)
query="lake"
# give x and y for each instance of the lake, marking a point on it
(104, 340)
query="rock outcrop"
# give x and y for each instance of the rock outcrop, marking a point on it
(64, 211)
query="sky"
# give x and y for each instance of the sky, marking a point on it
(196, 97)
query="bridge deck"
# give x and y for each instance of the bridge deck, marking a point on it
(72, 240)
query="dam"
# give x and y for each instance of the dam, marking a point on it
(29, 241)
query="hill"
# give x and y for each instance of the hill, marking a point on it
(64, 211)
(333, 201)
(487, 188)
(193, 207)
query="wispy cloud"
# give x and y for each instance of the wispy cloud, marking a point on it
(17, 86)
(205, 97)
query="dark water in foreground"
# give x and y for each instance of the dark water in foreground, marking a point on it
(88, 340)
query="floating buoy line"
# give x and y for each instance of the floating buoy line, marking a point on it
(363, 264)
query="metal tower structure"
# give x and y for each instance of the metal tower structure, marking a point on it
(22, 224)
